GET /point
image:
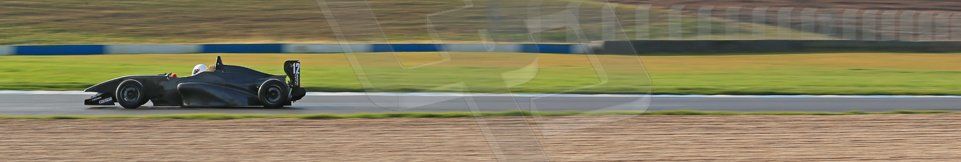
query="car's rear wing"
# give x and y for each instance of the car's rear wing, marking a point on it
(292, 68)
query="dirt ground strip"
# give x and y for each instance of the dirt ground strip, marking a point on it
(917, 5)
(651, 138)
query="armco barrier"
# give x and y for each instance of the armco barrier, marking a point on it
(284, 48)
(755, 46)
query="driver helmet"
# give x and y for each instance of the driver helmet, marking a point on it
(198, 69)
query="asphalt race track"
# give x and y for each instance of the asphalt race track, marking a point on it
(39, 102)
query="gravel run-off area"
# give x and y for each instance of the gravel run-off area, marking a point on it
(930, 137)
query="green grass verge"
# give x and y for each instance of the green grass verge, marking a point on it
(445, 115)
(770, 74)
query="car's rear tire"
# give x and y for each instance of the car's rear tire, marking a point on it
(273, 94)
(130, 94)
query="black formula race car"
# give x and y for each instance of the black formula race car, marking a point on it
(222, 86)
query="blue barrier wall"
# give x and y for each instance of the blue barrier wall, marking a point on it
(407, 47)
(607, 47)
(769, 46)
(242, 48)
(282, 48)
(547, 48)
(59, 50)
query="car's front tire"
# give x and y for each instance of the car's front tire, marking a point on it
(130, 94)
(273, 94)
